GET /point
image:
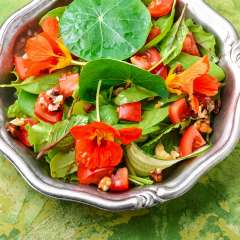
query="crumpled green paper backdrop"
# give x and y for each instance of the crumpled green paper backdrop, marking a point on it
(211, 210)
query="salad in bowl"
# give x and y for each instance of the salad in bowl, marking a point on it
(113, 93)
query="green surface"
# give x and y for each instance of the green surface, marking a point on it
(209, 211)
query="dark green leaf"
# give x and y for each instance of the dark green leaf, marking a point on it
(63, 164)
(133, 94)
(146, 2)
(164, 23)
(205, 40)
(108, 114)
(114, 73)
(27, 102)
(60, 129)
(105, 29)
(187, 60)
(171, 140)
(56, 12)
(171, 46)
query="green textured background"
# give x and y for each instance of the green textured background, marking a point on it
(211, 210)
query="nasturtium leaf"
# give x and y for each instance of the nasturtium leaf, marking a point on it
(187, 60)
(56, 12)
(133, 94)
(114, 29)
(114, 73)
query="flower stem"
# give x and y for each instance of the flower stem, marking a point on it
(77, 63)
(97, 101)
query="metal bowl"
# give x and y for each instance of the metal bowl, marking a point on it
(226, 125)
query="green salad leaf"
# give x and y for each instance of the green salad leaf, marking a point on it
(187, 60)
(143, 163)
(36, 85)
(26, 103)
(164, 23)
(205, 40)
(56, 12)
(171, 46)
(114, 29)
(108, 114)
(14, 110)
(114, 73)
(63, 164)
(133, 94)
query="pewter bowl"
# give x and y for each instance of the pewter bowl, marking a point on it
(225, 138)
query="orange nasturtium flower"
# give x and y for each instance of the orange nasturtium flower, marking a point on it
(194, 80)
(44, 52)
(98, 146)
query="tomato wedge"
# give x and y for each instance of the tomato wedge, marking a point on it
(128, 135)
(130, 112)
(68, 84)
(154, 33)
(161, 71)
(87, 176)
(146, 59)
(159, 8)
(190, 46)
(42, 109)
(120, 180)
(179, 111)
(190, 141)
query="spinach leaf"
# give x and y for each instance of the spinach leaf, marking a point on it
(63, 164)
(26, 103)
(56, 12)
(133, 94)
(108, 114)
(172, 44)
(146, 2)
(38, 134)
(60, 129)
(36, 85)
(164, 23)
(187, 60)
(114, 29)
(114, 73)
(205, 40)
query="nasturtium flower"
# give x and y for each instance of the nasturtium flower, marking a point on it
(194, 80)
(98, 145)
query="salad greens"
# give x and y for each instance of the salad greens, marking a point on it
(93, 31)
(112, 92)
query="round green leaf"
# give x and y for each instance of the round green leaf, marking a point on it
(105, 29)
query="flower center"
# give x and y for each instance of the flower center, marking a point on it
(100, 137)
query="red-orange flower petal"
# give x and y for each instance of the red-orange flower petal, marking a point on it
(93, 156)
(50, 26)
(39, 49)
(206, 85)
(128, 135)
(194, 104)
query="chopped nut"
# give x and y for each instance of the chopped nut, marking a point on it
(18, 122)
(174, 154)
(105, 184)
(156, 175)
(158, 105)
(118, 91)
(203, 126)
(12, 129)
(202, 113)
(211, 106)
(161, 153)
(179, 69)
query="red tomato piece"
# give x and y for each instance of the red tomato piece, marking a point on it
(146, 59)
(153, 34)
(128, 135)
(161, 71)
(42, 109)
(87, 176)
(120, 180)
(159, 8)
(130, 112)
(190, 141)
(68, 84)
(179, 111)
(22, 133)
(190, 46)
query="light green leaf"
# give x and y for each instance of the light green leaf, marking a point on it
(164, 23)
(205, 40)
(114, 73)
(114, 29)
(187, 60)
(56, 12)
(63, 164)
(26, 102)
(133, 94)
(14, 111)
